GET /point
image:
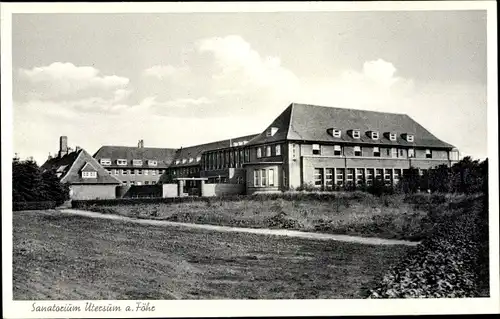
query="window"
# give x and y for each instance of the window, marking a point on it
(259, 152)
(263, 177)
(329, 177)
(198, 158)
(376, 152)
(394, 152)
(409, 138)
(153, 172)
(378, 173)
(137, 162)
(336, 133)
(392, 136)
(271, 131)
(428, 154)
(121, 162)
(271, 177)
(132, 172)
(152, 163)
(293, 151)
(191, 160)
(268, 151)
(105, 161)
(340, 172)
(146, 182)
(132, 182)
(146, 172)
(357, 150)
(356, 134)
(369, 176)
(177, 162)
(153, 182)
(239, 180)
(138, 171)
(388, 176)
(184, 161)
(350, 175)
(337, 150)
(316, 149)
(256, 177)
(397, 175)
(401, 153)
(89, 174)
(411, 152)
(115, 172)
(374, 135)
(360, 175)
(318, 177)
(278, 150)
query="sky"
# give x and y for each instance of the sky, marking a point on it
(181, 79)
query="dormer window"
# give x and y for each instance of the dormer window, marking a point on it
(184, 161)
(191, 160)
(392, 136)
(177, 162)
(121, 162)
(235, 144)
(152, 162)
(198, 158)
(408, 137)
(356, 134)
(374, 135)
(105, 161)
(244, 142)
(89, 174)
(271, 131)
(335, 132)
(137, 162)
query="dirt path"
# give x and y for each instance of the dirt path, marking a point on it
(261, 231)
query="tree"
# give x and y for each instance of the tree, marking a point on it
(439, 179)
(410, 182)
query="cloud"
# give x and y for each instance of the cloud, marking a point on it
(165, 71)
(65, 79)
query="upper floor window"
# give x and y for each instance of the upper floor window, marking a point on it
(105, 161)
(357, 150)
(411, 152)
(356, 134)
(376, 151)
(191, 160)
(409, 137)
(271, 131)
(278, 150)
(184, 161)
(152, 162)
(259, 152)
(337, 150)
(374, 135)
(137, 162)
(122, 162)
(198, 158)
(394, 152)
(268, 151)
(89, 174)
(428, 154)
(335, 132)
(392, 136)
(316, 149)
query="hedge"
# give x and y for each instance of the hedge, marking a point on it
(16, 206)
(448, 264)
(317, 196)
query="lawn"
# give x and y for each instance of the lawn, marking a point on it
(62, 257)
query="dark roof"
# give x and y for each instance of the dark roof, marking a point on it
(163, 156)
(72, 164)
(197, 150)
(310, 123)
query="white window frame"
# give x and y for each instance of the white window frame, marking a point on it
(152, 162)
(410, 138)
(198, 158)
(428, 152)
(357, 149)
(256, 177)
(316, 147)
(263, 177)
(376, 149)
(337, 148)
(411, 153)
(121, 162)
(277, 150)
(270, 177)
(394, 152)
(137, 162)
(177, 162)
(105, 161)
(392, 136)
(375, 135)
(336, 133)
(356, 134)
(146, 172)
(89, 174)
(259, 152)
(268, 151)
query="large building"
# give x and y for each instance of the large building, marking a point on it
(323, 147)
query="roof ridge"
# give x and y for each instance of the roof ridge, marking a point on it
(347, 108)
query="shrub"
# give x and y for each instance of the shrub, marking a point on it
(16, 206)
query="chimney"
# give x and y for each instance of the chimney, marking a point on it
(50, 157)
(77, 148)
(140, 144)
(63, 146)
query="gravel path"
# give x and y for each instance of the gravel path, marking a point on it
(261, 231)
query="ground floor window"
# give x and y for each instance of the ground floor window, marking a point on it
(360, 176)
(271, 177)
(329, 177)
(340, 176)
(318, 177)
(350, 175)
(264, 177)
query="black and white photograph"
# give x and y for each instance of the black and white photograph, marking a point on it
(249, 159)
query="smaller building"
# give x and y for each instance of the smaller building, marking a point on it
(87, 179)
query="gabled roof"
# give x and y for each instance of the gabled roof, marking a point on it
(88, 168)
(73, 163)
(197, 150)
(304, 122)
(163, 156)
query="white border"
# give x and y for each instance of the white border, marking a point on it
(222, 308)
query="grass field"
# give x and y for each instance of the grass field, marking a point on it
(64, 257)
(390, 217)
